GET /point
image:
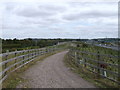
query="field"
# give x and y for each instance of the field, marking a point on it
(100, 64)
(103, 62)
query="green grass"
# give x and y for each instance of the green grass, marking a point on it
(103, 52)
(13, 55)
(95, 49)
(89, 76)
(18, 49)
(15, 78)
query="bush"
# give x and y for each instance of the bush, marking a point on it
(84, 45)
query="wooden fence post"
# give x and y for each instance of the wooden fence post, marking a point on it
(75, 58)
(15, 59)
(36, 52)
(118, 68)
(23, 56)
(82, 58)
(6, 64)
(46, 50)
(32, 54)
(85, 63)
(28, 55)
(23, 60)
(41, 52)
(98, 65)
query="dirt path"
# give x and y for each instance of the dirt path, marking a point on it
(52, 73)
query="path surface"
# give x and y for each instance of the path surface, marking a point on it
(52, 73)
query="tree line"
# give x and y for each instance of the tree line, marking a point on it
(29, 43)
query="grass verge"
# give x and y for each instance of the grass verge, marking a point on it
(89, 76)
(15, 78)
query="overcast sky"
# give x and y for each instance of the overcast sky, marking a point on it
(59, 19)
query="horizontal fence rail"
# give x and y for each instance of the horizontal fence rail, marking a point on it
(105, 66)
(20, 59)
(17, 53)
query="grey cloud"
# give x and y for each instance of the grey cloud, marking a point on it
(34, 13)
(88, 4)
(41, 11)
(10, 6)
(78, 4)
(33, 22)
(89, 14)
(17, 27)
(42, 23)
(59, 20)
(52, 8)
(100, 14)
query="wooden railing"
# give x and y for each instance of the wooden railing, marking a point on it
(102, 65)
(14, 60)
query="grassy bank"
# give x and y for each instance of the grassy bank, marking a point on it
(15, 78)
(89, 76)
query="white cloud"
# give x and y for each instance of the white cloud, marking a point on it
(64, 19)
(60, 0)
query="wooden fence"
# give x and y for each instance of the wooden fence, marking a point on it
(14, 60)
(102, 65)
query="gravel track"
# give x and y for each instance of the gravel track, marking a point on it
(52, 73)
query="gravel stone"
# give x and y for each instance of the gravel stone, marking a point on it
(52, 73)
